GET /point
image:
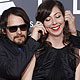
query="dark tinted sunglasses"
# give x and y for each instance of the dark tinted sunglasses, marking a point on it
(22, 27)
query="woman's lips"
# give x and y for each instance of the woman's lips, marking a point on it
(55, 28)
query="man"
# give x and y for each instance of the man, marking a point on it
(16, 50)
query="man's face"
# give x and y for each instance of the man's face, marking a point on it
(19, 35)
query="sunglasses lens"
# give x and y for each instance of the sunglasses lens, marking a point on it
(22, 27)
(12, 28)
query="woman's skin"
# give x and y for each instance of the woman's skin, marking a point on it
(27, 74)
(54, 24)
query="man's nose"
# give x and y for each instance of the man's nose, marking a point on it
(19, 30)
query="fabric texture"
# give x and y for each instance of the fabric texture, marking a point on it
(14, 58)
(55, 64)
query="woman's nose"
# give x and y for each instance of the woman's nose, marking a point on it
(54, 21)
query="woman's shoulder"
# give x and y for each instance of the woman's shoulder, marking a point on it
(47, 49)
(46, 55)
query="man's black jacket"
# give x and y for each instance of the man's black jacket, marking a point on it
(14, 59)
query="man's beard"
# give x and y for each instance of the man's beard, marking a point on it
(21, 37)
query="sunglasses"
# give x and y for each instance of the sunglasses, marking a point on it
(22, 27)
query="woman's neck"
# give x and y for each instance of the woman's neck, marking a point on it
(57, 41)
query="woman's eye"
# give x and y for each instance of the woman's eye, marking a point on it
(47, 20)
(58, 16)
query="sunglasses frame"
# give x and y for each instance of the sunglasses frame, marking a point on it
(23, 27)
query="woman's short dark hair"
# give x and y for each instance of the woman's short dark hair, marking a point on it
(45, 9)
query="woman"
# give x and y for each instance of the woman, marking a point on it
(56, 58)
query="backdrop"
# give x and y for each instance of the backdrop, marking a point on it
(30, 6)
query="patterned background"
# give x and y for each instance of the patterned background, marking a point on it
(30, 6)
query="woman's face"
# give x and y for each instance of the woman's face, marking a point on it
(54, 23)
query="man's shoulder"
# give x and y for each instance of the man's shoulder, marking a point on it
(78, 32)
(2, 39)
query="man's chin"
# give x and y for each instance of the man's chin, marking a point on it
(19, 43)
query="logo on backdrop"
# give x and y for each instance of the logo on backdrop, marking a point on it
(5, 4)
(75, 9)
(39, 2)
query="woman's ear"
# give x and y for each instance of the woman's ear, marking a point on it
(3, 31)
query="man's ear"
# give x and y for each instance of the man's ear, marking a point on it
(3, 31)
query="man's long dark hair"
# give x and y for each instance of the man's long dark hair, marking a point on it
(17, 11)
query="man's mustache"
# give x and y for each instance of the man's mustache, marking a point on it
(19, 36)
